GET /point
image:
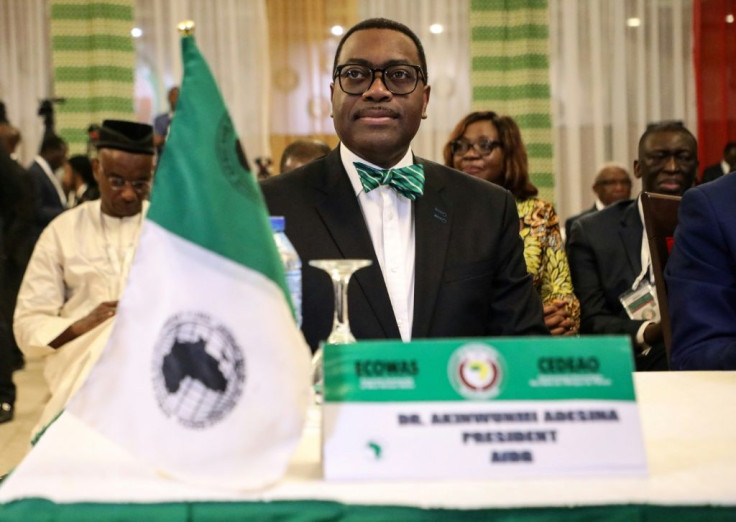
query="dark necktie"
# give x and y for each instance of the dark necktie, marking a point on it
(407, 181)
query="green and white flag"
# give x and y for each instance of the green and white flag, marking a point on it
(206, 375)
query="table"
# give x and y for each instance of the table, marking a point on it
(688, 420)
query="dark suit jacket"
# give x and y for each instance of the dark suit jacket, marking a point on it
(572, 219)
(701, 279)
(48, 205)
(470, 276)
(16, 244)
(604, 252)
(711, 173)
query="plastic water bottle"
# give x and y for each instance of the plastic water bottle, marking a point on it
(292, 264)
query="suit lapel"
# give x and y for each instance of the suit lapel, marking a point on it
(344, 220)
(432, 223)
(631, 232)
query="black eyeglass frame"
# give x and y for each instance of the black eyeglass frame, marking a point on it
(490, 146)
(382, 70)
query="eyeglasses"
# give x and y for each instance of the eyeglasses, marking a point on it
(482, 147)
(398, 79)
(139, 186)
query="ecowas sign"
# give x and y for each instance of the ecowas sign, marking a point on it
(481, 408)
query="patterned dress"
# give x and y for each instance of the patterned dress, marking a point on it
(544, 253)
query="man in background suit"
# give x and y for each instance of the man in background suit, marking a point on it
(701, 279)
(301, 152)
(16, 243)
(11, 179)
(447, 257)
(608, 251)
(612, 184)
(162, 122)
(49, 194)
(728, 164)
(17, 238)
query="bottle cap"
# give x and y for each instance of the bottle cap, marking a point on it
(277, 223)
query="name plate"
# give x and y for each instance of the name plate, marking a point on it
(481, 408)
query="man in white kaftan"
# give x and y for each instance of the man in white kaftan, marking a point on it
(79, 266)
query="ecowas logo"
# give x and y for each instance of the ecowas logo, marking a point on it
(476, 371)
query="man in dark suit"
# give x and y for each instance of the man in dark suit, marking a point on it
(701, 279)
(612, 184)
(728, 164)
(608, 251)
(16, 245)
(301, 152)
(162, 122)
(447, 258)
(16, 214)
(49, 194)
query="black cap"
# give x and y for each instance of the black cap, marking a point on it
(126, 135)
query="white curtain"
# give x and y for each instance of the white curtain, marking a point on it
(615, 66)
(608, 79)
(233, 37)
(448, 62)
(25, 68)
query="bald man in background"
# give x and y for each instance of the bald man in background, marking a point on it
(612, 184)
(301, 152)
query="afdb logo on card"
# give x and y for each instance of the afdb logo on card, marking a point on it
(476, 371)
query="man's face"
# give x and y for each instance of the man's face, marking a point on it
(730, 157)
(57, 157)
(173, 97)
(67, 180)
(612, 184)
(668, 162)
(125, 181)
(9, 137)
(378, 125)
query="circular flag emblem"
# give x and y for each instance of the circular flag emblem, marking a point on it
(198, 370)
(476, 371)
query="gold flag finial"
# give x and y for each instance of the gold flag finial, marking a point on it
(186, 27)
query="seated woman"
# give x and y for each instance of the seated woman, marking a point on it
(79, 181)
(489, 146)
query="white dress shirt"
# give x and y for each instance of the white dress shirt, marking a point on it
(725, 167)
(75, 195)
(390, 221)
(646, 269)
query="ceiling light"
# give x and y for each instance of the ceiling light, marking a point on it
(337, 30)
(633, 22)
(436, 28)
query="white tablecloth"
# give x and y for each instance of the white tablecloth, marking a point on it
(688, 419)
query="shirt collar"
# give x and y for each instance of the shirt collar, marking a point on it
(725, 167)
(599, 204)
(348, 157)
(44, 165)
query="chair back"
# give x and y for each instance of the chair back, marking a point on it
(660, 222)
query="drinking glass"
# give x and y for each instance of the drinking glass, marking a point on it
(340, 271)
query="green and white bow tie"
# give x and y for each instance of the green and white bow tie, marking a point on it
(407, 181)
